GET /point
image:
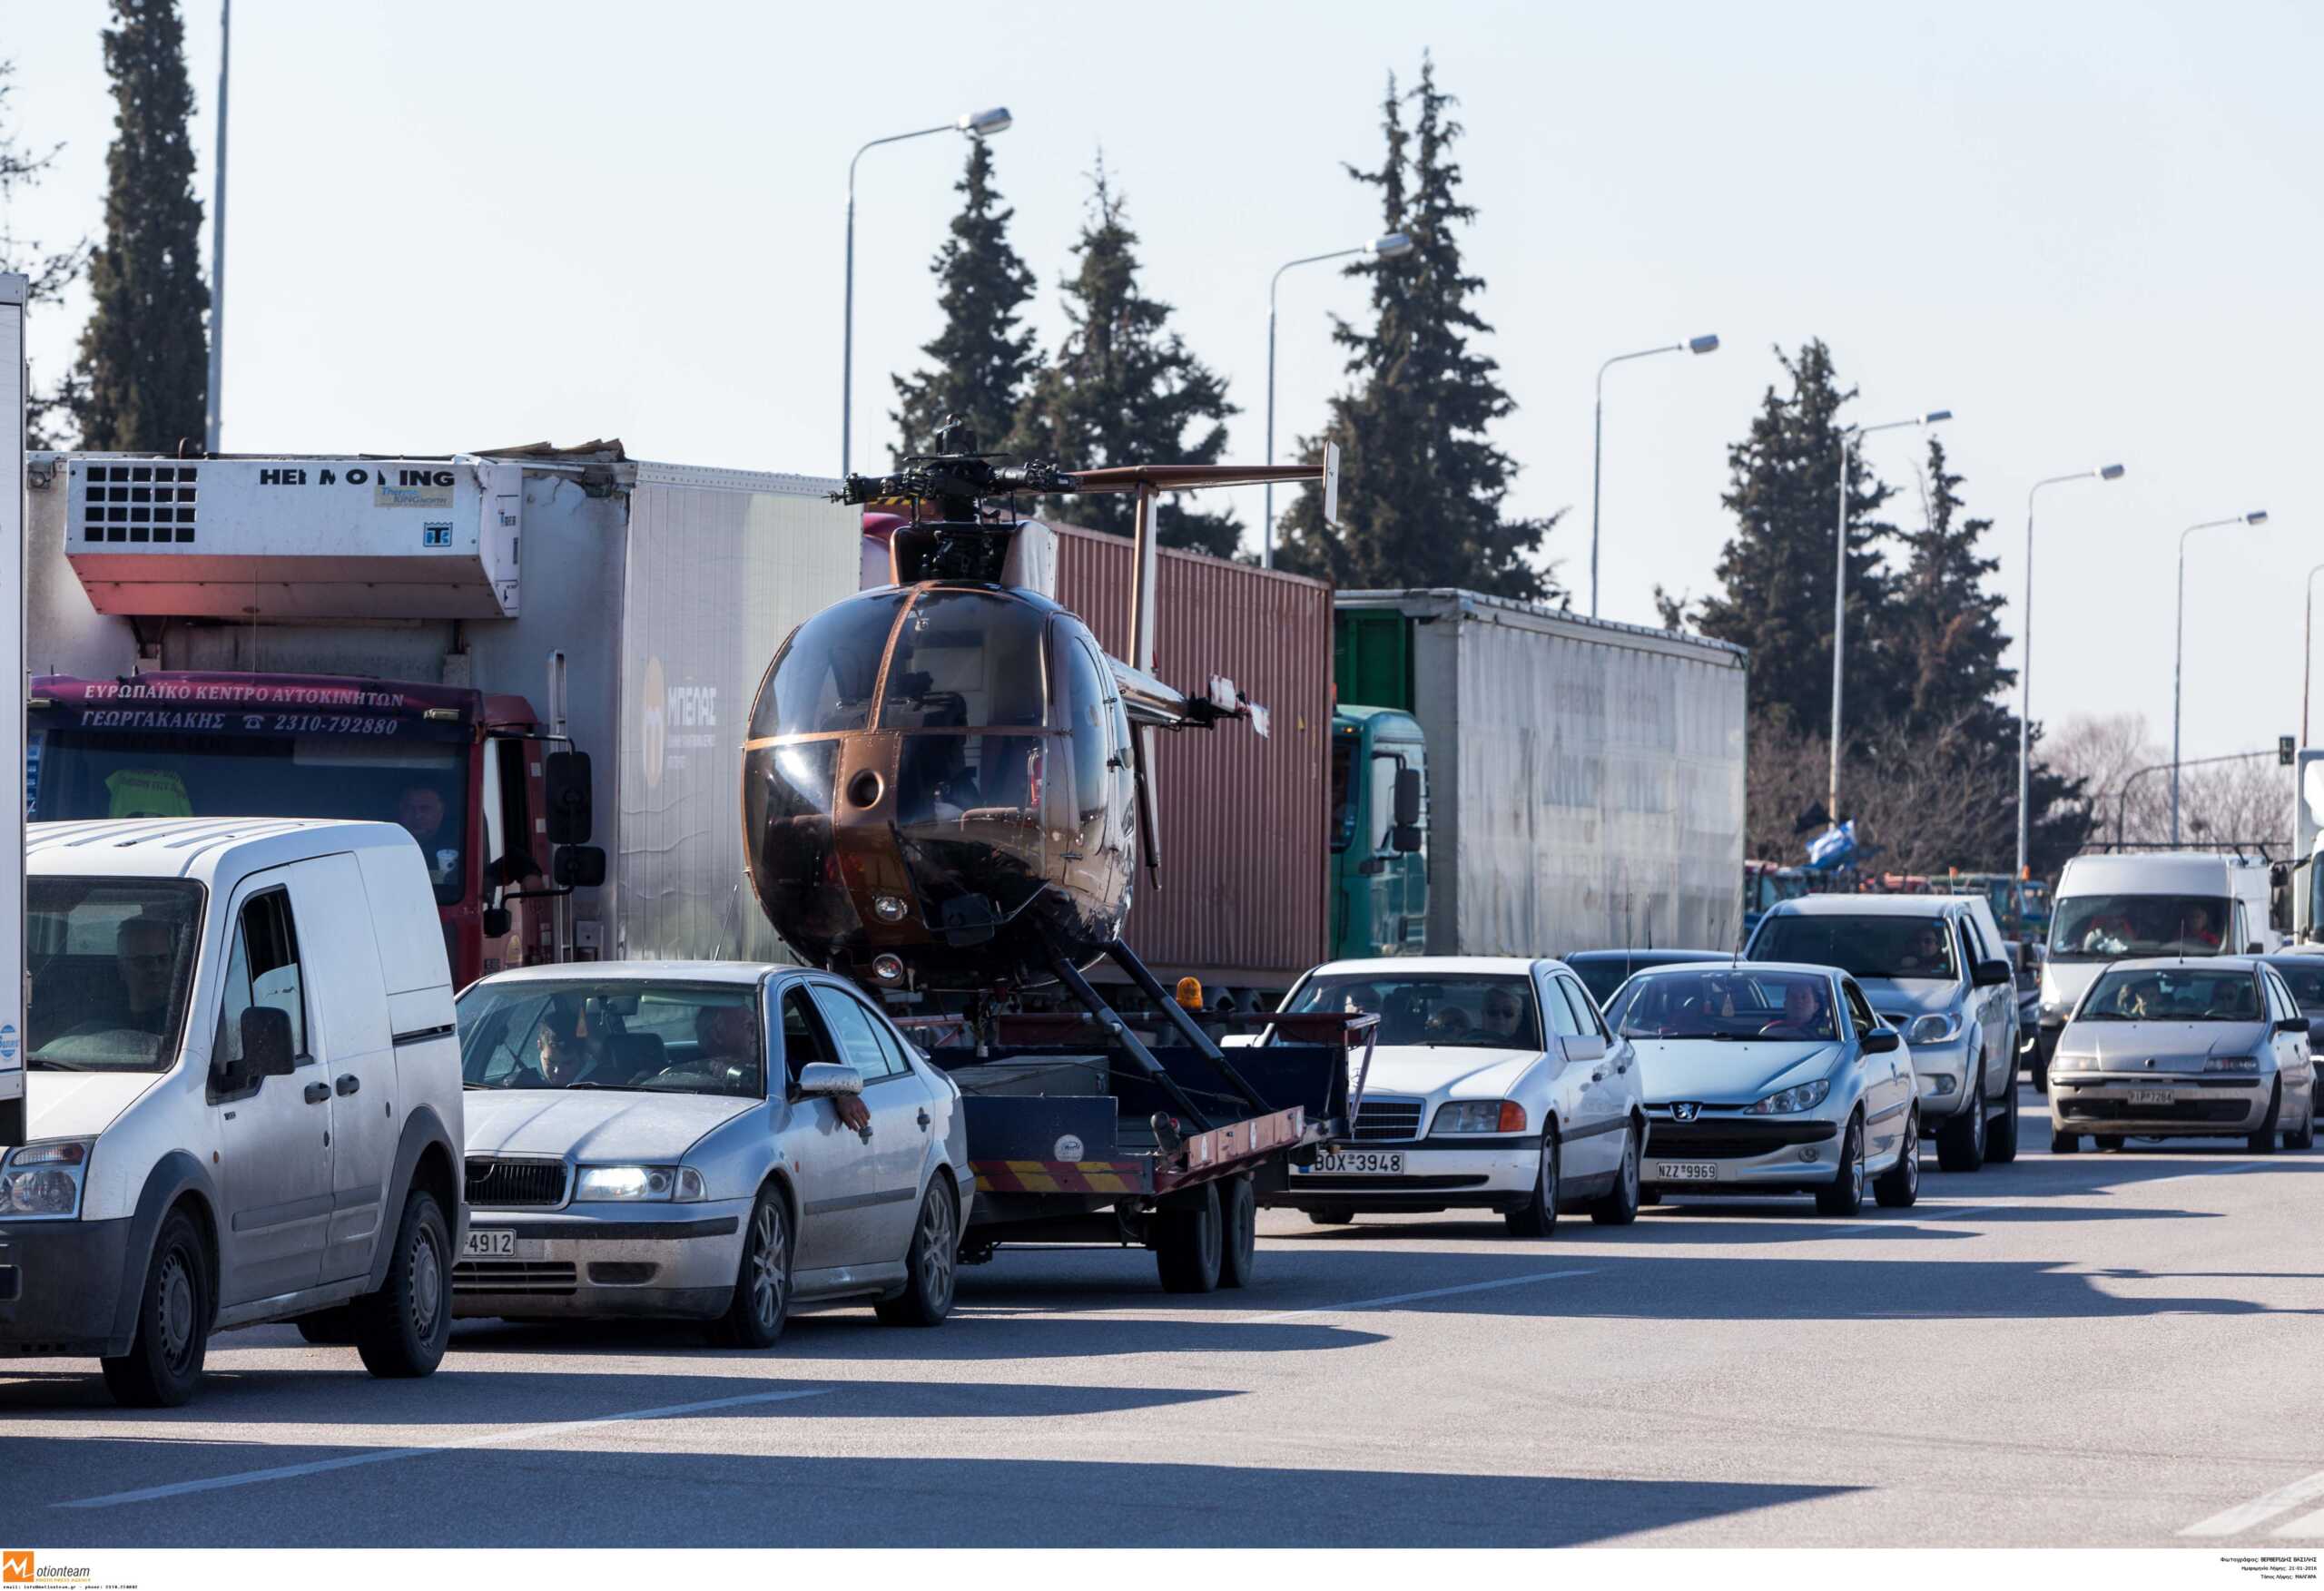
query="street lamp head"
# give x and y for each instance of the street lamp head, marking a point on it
(1936, 415)
(1389, 245)
(2256, 517)
(985, 124)
(1702, 345)
(2110, 471)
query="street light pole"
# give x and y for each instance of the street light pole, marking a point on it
(1840, 593)
(211, 418)
(2108, 472)
(2306, 649)
(974, 124)
(2179, 647)
(1694, 344)
(1387, 246)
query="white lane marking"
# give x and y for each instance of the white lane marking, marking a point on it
(388, 1455)
(1370, 1303)
(2305, 1525)
(2260, 1510)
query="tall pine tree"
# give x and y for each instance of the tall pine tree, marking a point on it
(1421, 501)
(1944, 622)
(982, 363)
(144, 355)
(1776, 573)
(1123, 389)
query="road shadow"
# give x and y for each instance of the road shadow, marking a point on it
(972, 1334)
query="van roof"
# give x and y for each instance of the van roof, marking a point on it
(202, 849)
(2172, 872)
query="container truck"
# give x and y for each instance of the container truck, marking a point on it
(13, 294)
(513, 653)
(1585, 780)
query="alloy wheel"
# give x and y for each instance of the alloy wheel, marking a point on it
(1856, 1163)
(768, 1268)
(936, 1249)
(1912, 1161)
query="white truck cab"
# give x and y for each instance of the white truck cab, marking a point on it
(242, 1097)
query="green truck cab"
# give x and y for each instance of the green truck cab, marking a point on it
(1379, 857)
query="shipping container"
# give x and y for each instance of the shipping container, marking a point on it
(1241, 899)
(1585, 777)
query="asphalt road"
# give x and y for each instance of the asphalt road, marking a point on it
(2113, 1350)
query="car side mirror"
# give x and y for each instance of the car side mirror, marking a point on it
(1990, 975)
(2255, 948)
(1882, 1041)
(1586, 1047)
(2293, 1024)
(565, 781)
(829, 1077)
(266, 1043)
(579, 867)
(1408, 801)
(1405, 838)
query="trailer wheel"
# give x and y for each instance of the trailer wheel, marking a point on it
(1188, 1244)
(1239, 1254)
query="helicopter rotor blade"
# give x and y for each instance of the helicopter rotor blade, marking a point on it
(1187, 477)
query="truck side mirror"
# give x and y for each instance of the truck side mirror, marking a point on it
(579, 867)
(1405, 838)
(266, 1043)
(1407, 802)
(498, 921)
(564, 779)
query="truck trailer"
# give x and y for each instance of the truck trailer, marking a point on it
(1584, 785)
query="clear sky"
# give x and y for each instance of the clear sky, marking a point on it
(2091, 230)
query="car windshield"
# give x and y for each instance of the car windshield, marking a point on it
(1738, 1003)
(2173, 994)
(659, 1037)
(1601, 974)
(109, 964)
(1861, 947)
(2305, 981)
(2106, 928)
(1481, 1013)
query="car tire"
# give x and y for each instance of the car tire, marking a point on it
(1619, 1207)
(1334, 1215)
(1239, 1257)
(2263, 1141)
(756, 1315)
(1538, 1216)
(2306, 1137)
(2040, 1069)
(402, 1330)
(329, 1328)
(2064, 1142)
(164, 1364)
(1189, 1244)
(931, 1264)
(2103, 1141)
(1647, 1198)
(2001, 1141)
(1899, 1186)
(1961, 1141)
(1846, 1195)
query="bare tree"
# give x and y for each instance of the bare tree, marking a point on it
(2128, 777)
(49, 273)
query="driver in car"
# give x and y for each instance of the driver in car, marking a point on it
(726, 1039)
(1925, 953)
(1503, 1018)
(570, 1052)
(1803, 1014)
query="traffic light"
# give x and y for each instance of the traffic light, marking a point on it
(2284, 751)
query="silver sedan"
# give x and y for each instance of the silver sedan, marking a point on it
(2208, 1046)
(708, 1141)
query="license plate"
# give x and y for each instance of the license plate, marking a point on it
(1686, 1171)
(2152, 1096)
(490, 1244)
(1357, 1163)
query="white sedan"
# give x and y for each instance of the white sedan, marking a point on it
(1495, 1085)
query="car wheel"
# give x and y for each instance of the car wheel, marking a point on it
(1188, 1244)
(1240, 1255)
(2066, 1143)
(2263, 1141)
(2102, 1142)
(1900, 1185)
(1333, 1215)
(164, 1364)
(402, 1330)
(329, 1328)
(2001, 1141)
(1846, 1195)
(1619, 1207)
(762, 1300)
(1538, 1216)
(1961, 1141)
(2041, 1071)
(1648, 1197)
(2306, 1137)
(931, 1264)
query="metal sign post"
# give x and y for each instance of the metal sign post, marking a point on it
(12, 709)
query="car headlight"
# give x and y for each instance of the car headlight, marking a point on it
(630, 1184)
(1479, 1115)
(2073, 1063)
(1937, 1028)
(2232, 1064)
(1803, 1096)
(45, 1179)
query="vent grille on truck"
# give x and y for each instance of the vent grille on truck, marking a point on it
(137, 503)
(513, 1185)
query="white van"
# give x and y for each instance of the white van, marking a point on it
(2158, 903)
(242, 1094)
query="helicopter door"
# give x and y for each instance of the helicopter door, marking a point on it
(1091, 857)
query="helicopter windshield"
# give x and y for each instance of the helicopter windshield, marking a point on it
(965, 660)
(823, 680)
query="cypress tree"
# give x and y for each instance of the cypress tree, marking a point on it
(982, 363)
(1421, 502)
(1123, 389)
(1945, 623)
(144, 355)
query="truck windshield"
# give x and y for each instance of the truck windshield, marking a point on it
(657, 1037)
(2172, 995)
(2102, 928)
(138, 774)
(1861, 947)
(110, 963)
(1731, 1003)
(1477, 1013)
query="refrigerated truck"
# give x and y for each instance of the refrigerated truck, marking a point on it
(11, 710)
(1584, 783)
(433, 640)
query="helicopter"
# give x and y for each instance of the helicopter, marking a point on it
(944, 781)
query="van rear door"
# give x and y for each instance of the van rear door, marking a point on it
(350, 1009)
